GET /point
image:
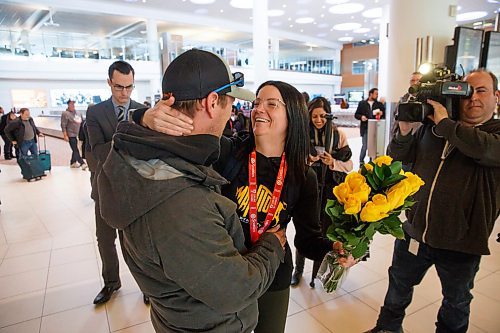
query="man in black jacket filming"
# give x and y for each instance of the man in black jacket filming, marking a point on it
(455, 210)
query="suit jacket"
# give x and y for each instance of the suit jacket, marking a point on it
(364, 109)
(101, 122)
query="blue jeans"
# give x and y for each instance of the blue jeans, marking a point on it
(28, 145)
(364, 147)
(456, 271)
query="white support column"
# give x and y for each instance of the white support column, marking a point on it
(260, 41)
(275, 51)
(153, 41)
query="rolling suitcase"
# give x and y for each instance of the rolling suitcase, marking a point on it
(31, 168)
(44, 156)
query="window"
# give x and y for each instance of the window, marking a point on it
(358, 67)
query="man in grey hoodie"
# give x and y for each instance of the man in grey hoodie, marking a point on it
(181, 239)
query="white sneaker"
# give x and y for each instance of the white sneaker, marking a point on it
(75, 165)
(84, 166)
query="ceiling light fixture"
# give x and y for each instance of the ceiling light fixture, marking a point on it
(361, 30)
(373, 13)
(275, 12)
(242, 4)
(471, 16)
(348, 8)
(304, 20)
(345, 39)
(202, 2)
(336, 2)
(346, 26)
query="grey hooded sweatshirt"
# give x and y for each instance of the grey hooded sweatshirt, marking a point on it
(181, 239)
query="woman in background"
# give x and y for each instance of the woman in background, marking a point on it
(331, 161)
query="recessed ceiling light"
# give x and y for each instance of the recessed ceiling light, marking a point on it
(459, 7)
(376, 21)
(323, 25)
(202, 2)
(201, 11)
(471, 16)
(284, 6)
(373, 13)
(322, 15)
(275, 12)
(289, 19)
(352, 17)
(345, 39)
(242, 4)
(346, 26)
(361, 30)
(304, 20)
(222, 10)
(347, 8)
(301, 30)
(336, 2)
(291, 25)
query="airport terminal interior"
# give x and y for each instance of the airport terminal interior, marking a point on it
(52, 52)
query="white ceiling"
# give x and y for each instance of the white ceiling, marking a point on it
(214, 23)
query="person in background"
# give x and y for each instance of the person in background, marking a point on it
(455, 211)
(306, 97)
(331, 161)
(233, 125)
(71, 121)
(146, 104)
(7, 144)
(23, 133)
(368, 109)
(101, 123)
(414, 80)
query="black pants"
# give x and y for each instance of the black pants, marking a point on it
(75, 155)
(273, 308)
(106, 237)
(456, 271)
(7, 147)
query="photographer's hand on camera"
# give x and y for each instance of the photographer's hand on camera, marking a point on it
(440, 112)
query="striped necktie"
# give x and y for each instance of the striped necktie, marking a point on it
(121, 113)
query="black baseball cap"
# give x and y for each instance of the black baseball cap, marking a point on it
(196, 73)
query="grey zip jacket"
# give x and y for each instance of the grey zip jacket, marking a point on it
(180, 238)
(457, 207)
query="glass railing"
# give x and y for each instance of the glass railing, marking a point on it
(41, 44)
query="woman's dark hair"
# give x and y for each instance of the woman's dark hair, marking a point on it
(297, 136)
(319, 102)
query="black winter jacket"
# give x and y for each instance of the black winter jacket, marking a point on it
(15, 130)
(457, 207)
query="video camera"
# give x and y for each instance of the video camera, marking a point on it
(440, 85)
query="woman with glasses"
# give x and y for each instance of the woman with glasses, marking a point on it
(271, 183)
(331, 160)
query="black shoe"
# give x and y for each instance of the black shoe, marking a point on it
(105, 294)
(312, 284)
(145, 299)
(296, 276)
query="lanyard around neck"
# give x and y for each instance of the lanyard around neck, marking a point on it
(255, 231)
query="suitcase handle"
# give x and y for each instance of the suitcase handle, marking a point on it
(44, 143)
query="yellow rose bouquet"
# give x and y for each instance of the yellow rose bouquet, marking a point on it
(367, 202)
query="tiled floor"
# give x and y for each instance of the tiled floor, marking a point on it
(50, 272)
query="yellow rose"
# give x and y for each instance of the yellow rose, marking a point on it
(372, 212)
(354, 180)
(380, 201)
(341, 192)
(352, 205)
(398, 193)
(387, 160)
(369, 167)
(362, 192)
(414, 181)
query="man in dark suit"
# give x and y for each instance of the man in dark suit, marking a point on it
(368, 109)
(101, 123)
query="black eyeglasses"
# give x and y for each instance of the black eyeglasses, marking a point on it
(119, 87)
(238, 80)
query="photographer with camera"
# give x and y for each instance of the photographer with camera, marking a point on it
(451, 222)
